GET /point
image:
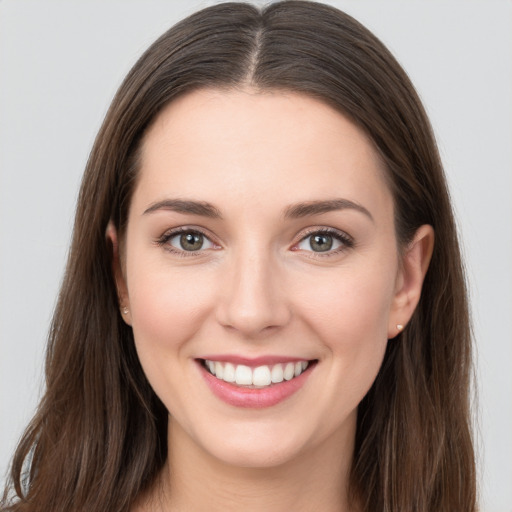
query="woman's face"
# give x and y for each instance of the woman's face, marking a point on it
(261, 247)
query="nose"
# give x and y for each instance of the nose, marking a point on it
(253, 299)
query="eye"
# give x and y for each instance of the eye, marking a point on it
(325, 241)
(186, 241)
(190, 241)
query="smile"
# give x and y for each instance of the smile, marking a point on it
(259, 377)
(258, 385)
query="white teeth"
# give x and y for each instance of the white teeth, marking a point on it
(261, 376)
(243, 375)
(219, 370)
(277, 373)
(289, 371)
(229, 373)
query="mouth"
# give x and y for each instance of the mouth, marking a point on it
(251, 386)
(262, 376)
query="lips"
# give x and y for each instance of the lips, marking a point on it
(251, 384)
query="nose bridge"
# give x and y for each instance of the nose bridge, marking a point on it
(253, 299)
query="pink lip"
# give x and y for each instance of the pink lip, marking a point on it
(253, 362)
(253, 397)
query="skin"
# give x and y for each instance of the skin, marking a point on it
(257, 288)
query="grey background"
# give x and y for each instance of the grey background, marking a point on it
(60, 64)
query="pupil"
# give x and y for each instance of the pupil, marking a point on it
(321, 243)
(191, 241)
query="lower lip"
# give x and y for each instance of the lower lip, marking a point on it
(253, 397)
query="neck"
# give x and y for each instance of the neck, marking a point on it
(194, 480)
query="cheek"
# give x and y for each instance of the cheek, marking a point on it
(350, 315)
(168, 306)
(349, 305)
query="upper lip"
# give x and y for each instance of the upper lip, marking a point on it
(253, 361)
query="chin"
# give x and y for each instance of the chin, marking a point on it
(261, 443)
(255, 454)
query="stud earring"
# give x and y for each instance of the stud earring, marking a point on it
(125, 310)
(400, 327)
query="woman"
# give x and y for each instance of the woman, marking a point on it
(255, 313)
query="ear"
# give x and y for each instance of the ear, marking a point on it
(414, 266)
(117, 269)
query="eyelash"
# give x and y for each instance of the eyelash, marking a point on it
(164, 239)
(346, 241)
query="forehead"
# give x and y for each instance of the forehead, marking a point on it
(272, 147)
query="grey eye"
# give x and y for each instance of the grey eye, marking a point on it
(320, 242)
(190, 241)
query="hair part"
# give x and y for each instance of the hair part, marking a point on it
(99, 437)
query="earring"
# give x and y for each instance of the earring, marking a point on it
(400, 327)
(125, 310)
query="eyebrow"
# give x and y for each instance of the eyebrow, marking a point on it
(305, 209)
(186, 206)
(294, 211)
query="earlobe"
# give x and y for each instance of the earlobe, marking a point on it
(414, 266)
(122, 291)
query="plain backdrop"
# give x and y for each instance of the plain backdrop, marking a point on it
(60, 64)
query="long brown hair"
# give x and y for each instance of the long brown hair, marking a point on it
(98, 438)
